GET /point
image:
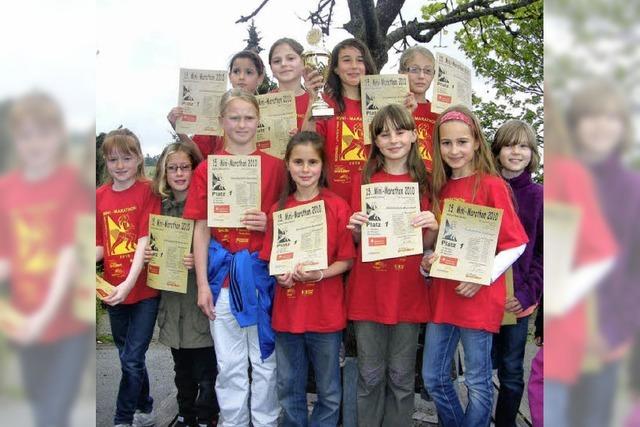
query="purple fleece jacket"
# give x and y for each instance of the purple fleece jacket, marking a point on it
(619, 292)
(528, 269)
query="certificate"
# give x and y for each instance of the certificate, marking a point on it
(233, 186)
(299, 236)
(466, 243)
(561, 226)
(199, 96)
(452, 83)
(83, 294)
(277, 117)
(103, 288)
(390, 207)
(376, 91)
(170, 240)
(10, 318)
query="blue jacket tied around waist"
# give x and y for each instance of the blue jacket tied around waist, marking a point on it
(250, 290)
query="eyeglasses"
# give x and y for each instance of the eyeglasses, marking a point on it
(416, 70)
(174, 168)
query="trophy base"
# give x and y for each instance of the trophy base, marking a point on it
(322, 112)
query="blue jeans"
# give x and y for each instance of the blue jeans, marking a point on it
(508, 359)
(132, 328)
(442, 340)
(293, 354)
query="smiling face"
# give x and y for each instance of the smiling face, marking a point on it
(240, 122)
(244, 75)
(458, 147)
(419, 80)
(394, 144)
(286, 65)
(516, 157)
(598, 135)
(38, 145)
(122, 168)
(305, 166)
(350, 66)
(179, 171)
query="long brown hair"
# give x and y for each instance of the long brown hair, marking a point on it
(334, 84)
(482, 158)
(317, 143)
(394, 116)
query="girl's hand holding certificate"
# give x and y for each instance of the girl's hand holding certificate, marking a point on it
(356, 221)
(467, 289)
(254, 220)
(425, 219)
(285, 280)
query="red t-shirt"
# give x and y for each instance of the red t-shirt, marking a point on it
(315, 307)
(208, 144)
(425, 122)
(565, 337)
(486, 308)
(389, 291)
(236, 239)
(344, 145)
(122, 217)
(37, 219)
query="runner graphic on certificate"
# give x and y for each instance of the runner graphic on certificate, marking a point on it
(390, 207)
(299, 236)
(233, 186)
(466, 243)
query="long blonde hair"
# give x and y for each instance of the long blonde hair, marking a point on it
(482, 158)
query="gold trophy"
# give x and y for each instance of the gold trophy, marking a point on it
(318, 58)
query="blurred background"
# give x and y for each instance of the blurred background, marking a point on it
(592, 200)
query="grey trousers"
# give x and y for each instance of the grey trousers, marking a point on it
(386, 371)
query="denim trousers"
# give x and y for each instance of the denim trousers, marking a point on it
(293, 354)
(132, 329)
(386, 366)
(442, 340)
(508, 359)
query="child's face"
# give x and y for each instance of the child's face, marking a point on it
(244, 75)
(305, 166)
(286, 64)
(350, 66)
(420, 71)
(37, 145)
(394, 144)
(516, 157)
(457, 147)
(179, 170)
(598, 135)
(240, 122)
(122, 168)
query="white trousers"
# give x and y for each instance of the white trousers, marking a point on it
(235, 348)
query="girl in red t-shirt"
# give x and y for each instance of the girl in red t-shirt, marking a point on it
(387, 299)
(309, 311)
(418, 63)
(123, 206)
(463, 169)
(287, 66)
(227, 293)
(246, 72)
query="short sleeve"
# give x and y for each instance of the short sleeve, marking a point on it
(196, 204)
(346, 248)
(356, 193)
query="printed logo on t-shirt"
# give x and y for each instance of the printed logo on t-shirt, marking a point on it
(33, 237)
(352, 143)
(122, 232)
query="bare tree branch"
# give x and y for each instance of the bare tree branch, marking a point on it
(254, 13)
(386, 12)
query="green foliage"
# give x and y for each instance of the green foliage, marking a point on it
(508, 50)
(253, 43)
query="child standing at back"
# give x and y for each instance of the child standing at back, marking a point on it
(123, 206)
(226, 262)
(516, 156)
(246, 72)
(387, 300)
(418, 63)
(309, 310)
(463, 169)
(183, 327)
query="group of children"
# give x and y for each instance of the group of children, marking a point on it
(262, 332)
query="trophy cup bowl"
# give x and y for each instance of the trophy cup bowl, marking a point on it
(318, 59)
